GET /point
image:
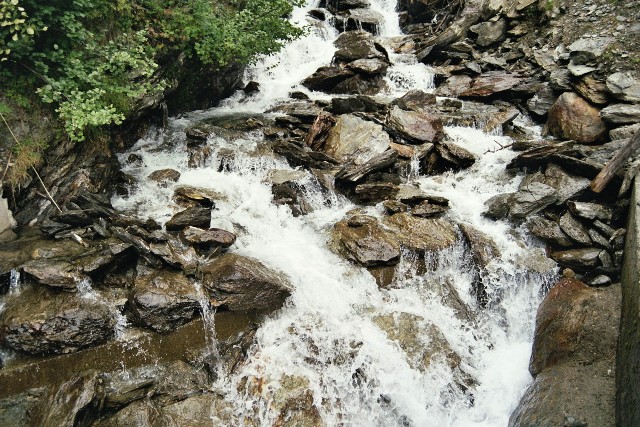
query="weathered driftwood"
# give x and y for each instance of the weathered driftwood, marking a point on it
(615, 164)
(319, 132)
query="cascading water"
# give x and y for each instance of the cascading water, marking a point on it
(360, 355)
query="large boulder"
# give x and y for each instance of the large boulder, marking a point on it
(164, 300)
(325, 79)
(353, 45)
(571, 117)
(40, 322)
(362, 240)
(422, 234)
(573, 358)
(243, 284)
(355, 140)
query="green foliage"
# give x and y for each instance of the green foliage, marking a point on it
(96, 58)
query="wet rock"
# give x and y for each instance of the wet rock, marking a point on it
(624, 86)
(143, 413)
(427, 210)
(498, 206)
(353, 45)
(415, 100)
(621, 114)
(567, 185)
(23, 409)
(590, 210)
(422, 342)
(574, 349)
(415, 126)
(574, 229)
(189, 196)
(164, 176)
(41, 322)
(483, 248)
(532, 199)
(367, 244)
(412, 195)
(192, 411)
(489, 32)
(368, 66)
(174, 253)
(359, 19)
(290, 193)
(548, 230)
(421, 234)
(243, 284)
(55, 273)
(353, 173)
(209, 237)
(393, 207)
(354, 140)
(325, 79)
(356, 103)
(498, 83)
(361, 84)
(455, 156)
(582, 259)
(163, 300)
(375, 192)
(197, 216)
(298, 156)
(75, 402)
(571, 117)
(341, 5)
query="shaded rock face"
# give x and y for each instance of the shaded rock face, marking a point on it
(196, 216)
(574, 349)
(41, 322)
(243, 284)
(164, 300)
(571, 117)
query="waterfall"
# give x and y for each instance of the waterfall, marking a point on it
(329, 339)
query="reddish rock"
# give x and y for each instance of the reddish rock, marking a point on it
(571, 117)
(575, 323)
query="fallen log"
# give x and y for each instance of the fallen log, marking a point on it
(616, 163)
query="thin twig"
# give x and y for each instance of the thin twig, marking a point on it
(34, 169)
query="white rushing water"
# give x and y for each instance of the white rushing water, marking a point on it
(334, 339)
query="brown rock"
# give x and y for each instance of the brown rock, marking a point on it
(571, 117)
(367, 244)
(422, 234)
(415, 126)
(211, 236)
(164, 176)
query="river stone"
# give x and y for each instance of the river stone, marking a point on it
(624, 132)
(415, 100)
(359, 19)
(56, 273)
(368, 66)
(355, 140)
(356, 103)
(354, 173)
(426, 210)
(197, 216)
(483, 248)
(189, 196)
(591, 89)
(455, 155)
(142, 413)
(325, 79)
(24, 409)
(415, 126)
(164, 176)
(542, 101)
(498, 206)
(243, 284)
(621, 114)
(360, 85)
(489, 32)
(583, 259)
(548, 230)
(208, 237)
(571, 117)
(531, 199)
(574, 349)
(76, 402)
(341, 5)
(560, 80)
(494, 83)
(421, 234)
(174, 253)
(569, 394)
(574, 229)
(375, 192)
(569, 186)
(422, 342)
(195, 410)
(624, 86)
(164, 300)
(40, 322)
(590, 210)
(366, 243)
(353, 45)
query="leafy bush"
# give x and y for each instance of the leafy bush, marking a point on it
(96, 58)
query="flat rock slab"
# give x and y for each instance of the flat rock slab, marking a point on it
(355, 140)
